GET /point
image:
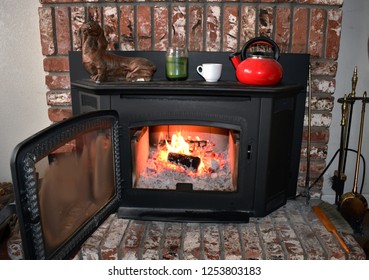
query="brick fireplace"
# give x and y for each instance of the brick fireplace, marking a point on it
(313, 27)
(298, 26)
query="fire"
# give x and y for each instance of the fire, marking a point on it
(178, 145)
(197, 148)
(179, 158)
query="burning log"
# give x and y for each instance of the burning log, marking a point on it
(184, 160)
(196, 143)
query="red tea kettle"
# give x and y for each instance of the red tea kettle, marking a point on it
(258, 68)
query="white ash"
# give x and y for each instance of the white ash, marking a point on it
(158, 175)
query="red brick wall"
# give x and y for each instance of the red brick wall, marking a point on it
(298, 26)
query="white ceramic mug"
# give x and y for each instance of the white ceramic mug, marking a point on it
(211, 72)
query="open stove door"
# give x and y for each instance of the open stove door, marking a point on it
(66, 182)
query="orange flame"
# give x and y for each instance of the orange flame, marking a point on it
(178, 144)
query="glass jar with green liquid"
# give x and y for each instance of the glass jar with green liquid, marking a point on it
(176, 64)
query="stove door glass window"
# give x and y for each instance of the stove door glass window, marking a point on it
(75, 182)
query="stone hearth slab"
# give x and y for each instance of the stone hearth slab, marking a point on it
(291, 232)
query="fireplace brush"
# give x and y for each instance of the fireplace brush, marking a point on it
(330, 226)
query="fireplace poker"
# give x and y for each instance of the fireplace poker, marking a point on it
(339, 178)
(353, 205)
(350, 110)
(308, 144)
(348, 126)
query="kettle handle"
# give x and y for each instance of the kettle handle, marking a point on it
(260, 40)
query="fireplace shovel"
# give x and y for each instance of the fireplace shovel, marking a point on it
(353, 205)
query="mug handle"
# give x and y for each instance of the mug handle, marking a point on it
(199, 69)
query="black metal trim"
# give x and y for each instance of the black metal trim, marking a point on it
(184, 215)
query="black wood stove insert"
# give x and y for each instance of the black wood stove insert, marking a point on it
(160, 150)
(253, 134)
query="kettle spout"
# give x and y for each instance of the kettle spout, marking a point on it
(235, 59)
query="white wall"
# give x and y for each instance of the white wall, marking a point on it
(23, 109)
(354, 51)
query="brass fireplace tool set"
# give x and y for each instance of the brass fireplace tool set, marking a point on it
(352, 205)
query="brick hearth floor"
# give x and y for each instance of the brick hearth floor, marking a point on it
(291, 232)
